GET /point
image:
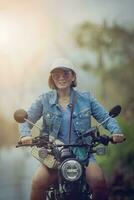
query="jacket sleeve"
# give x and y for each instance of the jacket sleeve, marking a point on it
(34, 114)
(100, 114)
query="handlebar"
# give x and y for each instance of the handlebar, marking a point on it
(41, 142)
(104, 139)
(38, 144)
(38, 141)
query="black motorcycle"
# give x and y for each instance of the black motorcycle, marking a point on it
(71, 183)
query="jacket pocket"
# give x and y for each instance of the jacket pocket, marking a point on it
(52, 122)
(82, 120)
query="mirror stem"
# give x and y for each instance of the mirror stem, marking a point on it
(104, 121)
(32, 123)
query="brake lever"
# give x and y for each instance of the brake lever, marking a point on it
(92, 132)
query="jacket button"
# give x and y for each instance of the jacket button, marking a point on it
(77, 132)
(77, 123)
(48, 115)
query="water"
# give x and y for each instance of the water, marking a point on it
(16, 169)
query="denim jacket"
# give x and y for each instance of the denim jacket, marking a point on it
(86, 105)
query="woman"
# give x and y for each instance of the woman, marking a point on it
(55, 109)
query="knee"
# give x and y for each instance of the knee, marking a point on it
(38, 183)
(97, 182)
(40, 179)
(96, 179)
(43, 178)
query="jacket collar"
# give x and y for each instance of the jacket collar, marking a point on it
(54, 97)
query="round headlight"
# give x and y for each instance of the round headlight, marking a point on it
(71, 170)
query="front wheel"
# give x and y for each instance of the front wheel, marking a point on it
(80, 196)
(73, 191)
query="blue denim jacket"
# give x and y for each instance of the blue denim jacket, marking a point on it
(46, 106)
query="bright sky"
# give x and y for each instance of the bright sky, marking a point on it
(34, 32)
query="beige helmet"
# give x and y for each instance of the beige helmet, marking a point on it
(62, 63)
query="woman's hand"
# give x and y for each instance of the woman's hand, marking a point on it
(118, 137)
(26, 140)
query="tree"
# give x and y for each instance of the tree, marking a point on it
(113, 47)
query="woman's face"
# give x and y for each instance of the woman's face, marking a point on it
(62, 78)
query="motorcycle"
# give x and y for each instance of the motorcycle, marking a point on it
(54, 154)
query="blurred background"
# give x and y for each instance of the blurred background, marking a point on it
(98, 37)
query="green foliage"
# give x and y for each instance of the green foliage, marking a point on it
(113, 47)
(120, 156)
(121, 81)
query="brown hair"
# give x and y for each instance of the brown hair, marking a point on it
(52, 84)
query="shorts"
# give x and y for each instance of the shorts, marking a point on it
(91, 159)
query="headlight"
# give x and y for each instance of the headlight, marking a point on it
(71, 170)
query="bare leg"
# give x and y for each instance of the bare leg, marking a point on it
(96, 181)
(42, 178)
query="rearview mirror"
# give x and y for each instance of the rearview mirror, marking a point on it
(115, 111)
(20, 115)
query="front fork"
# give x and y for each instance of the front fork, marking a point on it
(56, 191)
(64, 190)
